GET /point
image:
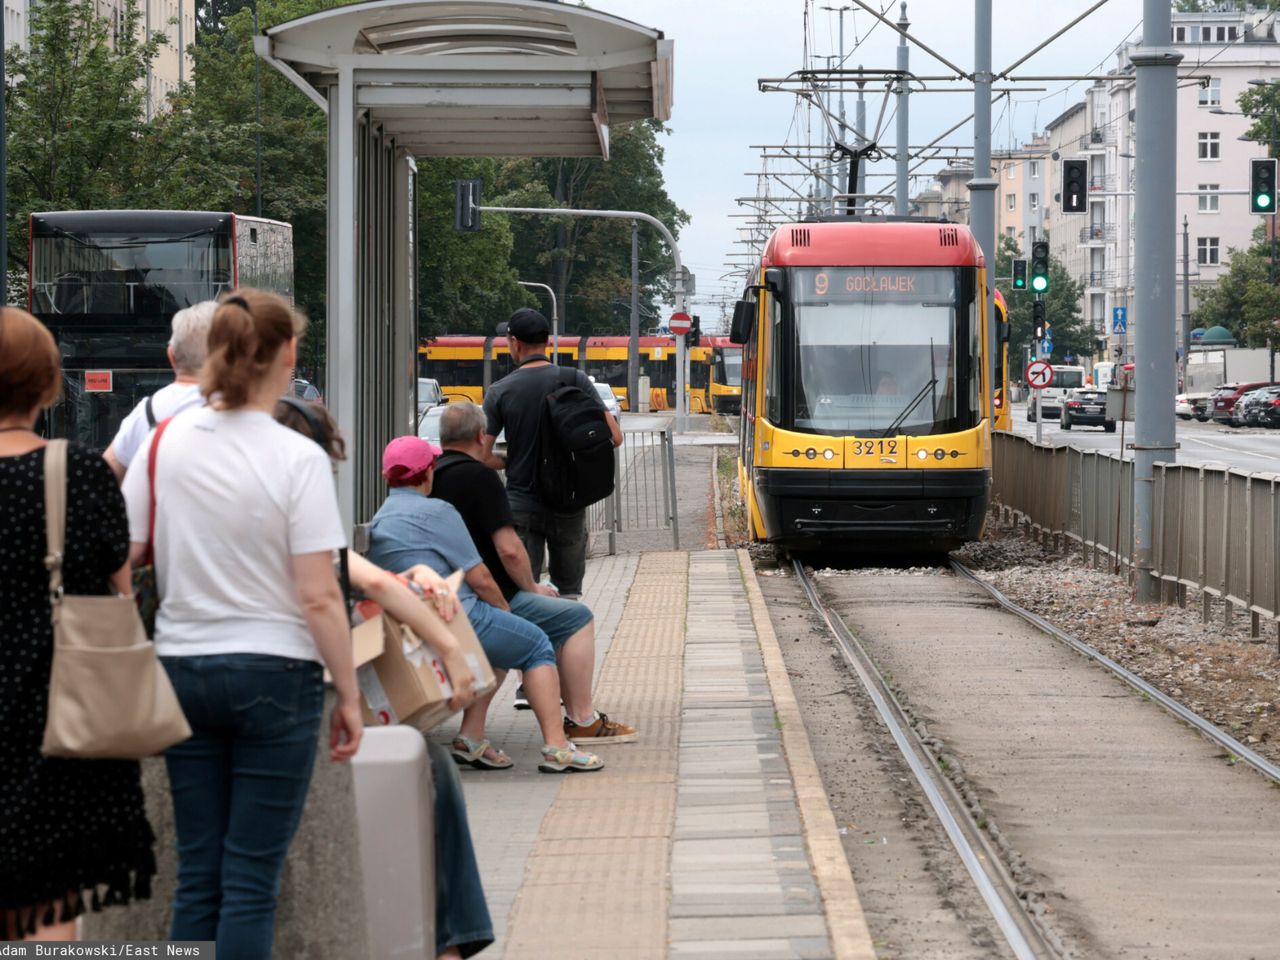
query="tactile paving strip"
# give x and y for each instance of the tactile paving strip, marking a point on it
(596, 883)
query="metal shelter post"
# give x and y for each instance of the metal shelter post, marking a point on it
(340, 341)
(1157, 89)
(633, 340)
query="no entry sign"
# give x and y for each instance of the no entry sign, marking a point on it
(1039, 374)
(680, 323)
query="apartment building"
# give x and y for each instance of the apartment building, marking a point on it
(176, 19)
(1022, 195)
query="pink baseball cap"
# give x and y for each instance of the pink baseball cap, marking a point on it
(407, 457)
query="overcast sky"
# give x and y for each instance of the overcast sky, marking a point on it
(723, 46)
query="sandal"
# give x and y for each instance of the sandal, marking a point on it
(568, 760)
(473, 753)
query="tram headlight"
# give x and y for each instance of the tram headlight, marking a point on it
(922, 454)
(811, 453)
(940, 454)
(828, 454)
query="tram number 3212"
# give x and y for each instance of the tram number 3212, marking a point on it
(869, 448)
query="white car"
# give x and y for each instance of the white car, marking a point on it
(1183, 407)
(608, 398)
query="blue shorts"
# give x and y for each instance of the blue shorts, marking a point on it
(560, 618)
(510, 642)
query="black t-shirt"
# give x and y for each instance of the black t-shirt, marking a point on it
(514, 403)
(476, 492)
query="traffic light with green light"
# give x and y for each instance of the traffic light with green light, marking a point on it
(1262, 186)
(1019, 274)
(1040, 266)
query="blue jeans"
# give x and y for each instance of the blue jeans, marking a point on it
(462, 916)
(560, 619)
(239, 786)
(509, 642)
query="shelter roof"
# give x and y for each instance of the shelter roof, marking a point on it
(482, 77)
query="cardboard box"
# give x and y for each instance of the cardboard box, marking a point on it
(402, 680)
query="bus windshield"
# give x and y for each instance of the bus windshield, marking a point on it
(877, 350)
(127, 275)
(1068, 378)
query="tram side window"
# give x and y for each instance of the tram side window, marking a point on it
(975, 359)
(453, 373)
(699, 374)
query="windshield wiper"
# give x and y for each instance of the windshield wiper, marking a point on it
(915, 402)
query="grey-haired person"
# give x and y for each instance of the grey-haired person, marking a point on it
(188, 347)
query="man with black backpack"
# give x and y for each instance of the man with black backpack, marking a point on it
(560, 442)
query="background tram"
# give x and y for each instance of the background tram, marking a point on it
(108, 282)
(866, 423)
(465, 366)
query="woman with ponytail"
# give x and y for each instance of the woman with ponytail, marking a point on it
(245, 523)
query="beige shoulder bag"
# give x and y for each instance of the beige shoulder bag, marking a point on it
(109, 696)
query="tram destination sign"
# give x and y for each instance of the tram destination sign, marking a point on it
(902, 284)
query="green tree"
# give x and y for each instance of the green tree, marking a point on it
(588, 261)
(1072, 334)
(75, 113)
(1245, 299)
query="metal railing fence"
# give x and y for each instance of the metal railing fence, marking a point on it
(644, 490)
(1216, 529)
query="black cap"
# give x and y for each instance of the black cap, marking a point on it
(526, 325)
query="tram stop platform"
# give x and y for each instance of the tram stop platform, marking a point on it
(709, 837)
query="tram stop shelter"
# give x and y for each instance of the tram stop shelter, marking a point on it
(404, 79)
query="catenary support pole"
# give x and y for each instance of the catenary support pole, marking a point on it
(1271, 340)
(861, 121)
(257, 122)
(901, 200)
(1157, 90)
(1186, 296)
(982, 188)
(633, 341)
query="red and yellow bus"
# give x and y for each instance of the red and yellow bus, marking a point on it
(866, 415)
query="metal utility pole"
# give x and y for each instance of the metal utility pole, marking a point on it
(904, 96)
(861, 121)
(842, 168)
(1186, 295)
(555, 318)
(1157, 90)
(633, 341)
(1271, 275)
(982, 188)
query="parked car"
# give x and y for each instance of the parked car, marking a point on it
(1226, 397)
(305, 390)
(1183, 407)
(1086, 407)
(429, 394)
(1269, 409)
(429, 424)
(608, 398)
(1248, 409)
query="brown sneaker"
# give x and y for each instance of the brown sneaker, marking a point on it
(601, 730)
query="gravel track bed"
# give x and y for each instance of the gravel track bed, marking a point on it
(1216, 670)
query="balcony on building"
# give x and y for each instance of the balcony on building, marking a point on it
(1098, 139)
(1096, 234)
(1099, 279)
(1105, 184)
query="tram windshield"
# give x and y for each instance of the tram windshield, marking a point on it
(879, 351)
(729, 368)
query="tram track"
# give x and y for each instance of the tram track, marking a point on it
(1215, 733)
(1019, 927)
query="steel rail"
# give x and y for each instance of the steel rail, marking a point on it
(891, 714)
(1183, 713)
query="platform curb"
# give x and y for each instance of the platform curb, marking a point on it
(846, 923)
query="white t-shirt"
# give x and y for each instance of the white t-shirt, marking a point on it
(237, 497)
(165, 402)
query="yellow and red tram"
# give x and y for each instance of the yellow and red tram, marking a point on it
(866, 411)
